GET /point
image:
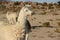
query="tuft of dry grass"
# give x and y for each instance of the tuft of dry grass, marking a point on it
(58, 23)
(57, 30)
(46, 24)
(44, 13)
(34, 17)
(39, 22)
(50, 19)
(2, 7)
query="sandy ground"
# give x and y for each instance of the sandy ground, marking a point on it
(44, 33)
(39, 33)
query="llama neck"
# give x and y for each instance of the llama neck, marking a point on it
(20, 25)
(21, 19)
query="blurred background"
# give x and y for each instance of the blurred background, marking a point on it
(34, 0)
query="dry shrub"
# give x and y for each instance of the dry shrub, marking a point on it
(55, 13)
(44, 13)
(50, 19)
(50, 4)
(34, 17)
(42, 7)
(50, 7)
(39, 22)
(46, 24)
(44, 4)
(28, 3)
(2, 7)
(16, 3)
(58, 23)
(57, 30)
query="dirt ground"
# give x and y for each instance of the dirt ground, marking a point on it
(44, 33)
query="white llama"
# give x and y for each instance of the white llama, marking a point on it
(16, 31)
(12, 16)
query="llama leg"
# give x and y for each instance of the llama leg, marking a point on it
(26, 36)
(11, 21)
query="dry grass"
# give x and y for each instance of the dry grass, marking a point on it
(46, 24)
(57, 30)
(58, 23)
(35, 6)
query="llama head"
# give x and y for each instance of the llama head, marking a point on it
(26, 10)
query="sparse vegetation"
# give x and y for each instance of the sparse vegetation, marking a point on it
(57, 30)
(44, 4)
(46, 24)
(16, 3)
(58, 23)
(35, 6)
(50, 19)
(2, 7)
(34, 18)
(50, 7)
(44, 13)
(42, 7)
(39, 22)
(55, 14)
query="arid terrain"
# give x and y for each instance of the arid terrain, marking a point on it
(45, 22)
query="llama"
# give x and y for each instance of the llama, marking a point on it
(12, 19)
(11, 16)
(16, 31)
